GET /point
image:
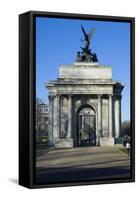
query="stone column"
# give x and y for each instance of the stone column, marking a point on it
(60, 113)
(110, 117)
(56, 118)
(82, 121)
(50, 118)
(117, 105)
(69, 116)
(99, 115)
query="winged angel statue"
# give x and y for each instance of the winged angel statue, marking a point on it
(87, 37)
(86, 54)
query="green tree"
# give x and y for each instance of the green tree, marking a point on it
(125, 128)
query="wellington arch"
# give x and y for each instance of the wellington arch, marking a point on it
(84, 106)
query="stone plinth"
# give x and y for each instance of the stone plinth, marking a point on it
(87, 71)
(107, 141)
(86, 63)
(64, 143)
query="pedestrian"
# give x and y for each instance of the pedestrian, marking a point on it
(128, 147)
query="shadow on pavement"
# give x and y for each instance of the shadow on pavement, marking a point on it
(44, 176)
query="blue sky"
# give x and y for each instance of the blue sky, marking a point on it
(58, 40)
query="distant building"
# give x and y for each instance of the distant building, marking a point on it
(42, 111)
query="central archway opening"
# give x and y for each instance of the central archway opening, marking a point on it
(86, 126)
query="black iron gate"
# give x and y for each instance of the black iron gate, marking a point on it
(86, 130)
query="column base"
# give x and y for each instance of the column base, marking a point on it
(63, 143)
(97, 141)
(107, 141)
(50, 143)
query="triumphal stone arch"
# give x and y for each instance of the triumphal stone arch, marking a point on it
(84, 103)
(84, 106)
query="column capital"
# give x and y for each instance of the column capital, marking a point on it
(118, 97)
(99, 96)
(58, 95)
(70, 95)
(110, 95)
(51, 97)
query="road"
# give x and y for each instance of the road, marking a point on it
(83, 163)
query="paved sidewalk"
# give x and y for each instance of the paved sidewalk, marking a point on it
(85, 163)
